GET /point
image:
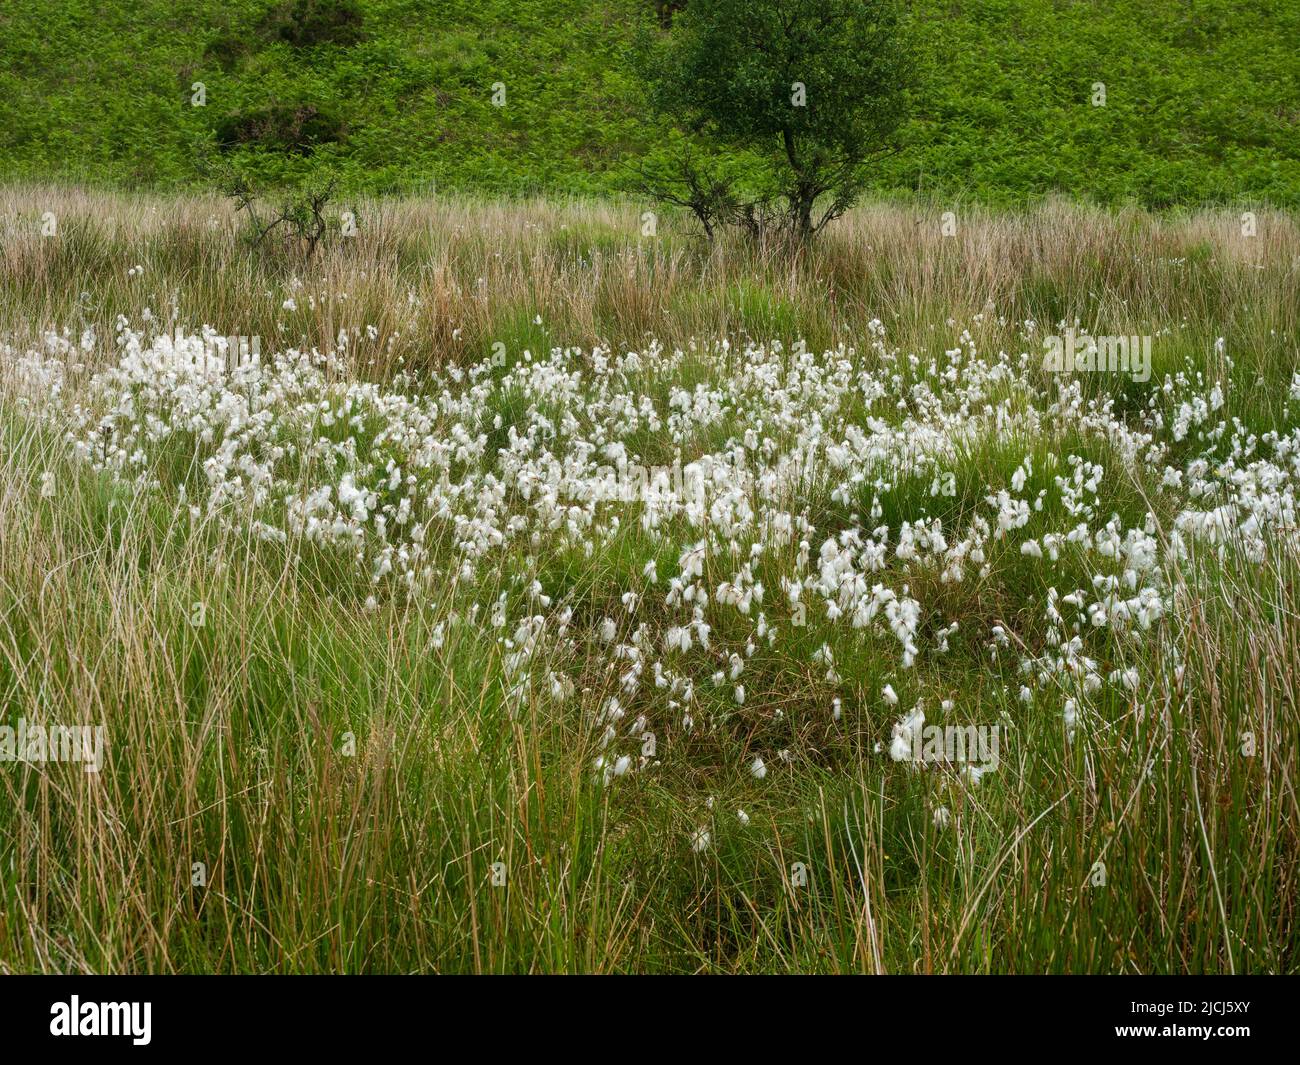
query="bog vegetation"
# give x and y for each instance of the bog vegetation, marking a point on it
(535, 595)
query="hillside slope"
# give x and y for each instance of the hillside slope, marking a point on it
(1202, 96)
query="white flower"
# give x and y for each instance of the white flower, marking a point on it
(758, 769)
(1071, 716)
(905, 734)
(742, 817)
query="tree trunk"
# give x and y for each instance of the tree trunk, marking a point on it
(803, 217)
(802, 195)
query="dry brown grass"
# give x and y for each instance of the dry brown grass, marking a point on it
(443, 279)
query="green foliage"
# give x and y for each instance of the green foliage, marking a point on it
(301, 221)
(308, 23)
(708, 183)
(292, 128)
(817, 89)
(1199, 105)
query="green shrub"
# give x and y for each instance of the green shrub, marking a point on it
(309, 23)
(292, 128)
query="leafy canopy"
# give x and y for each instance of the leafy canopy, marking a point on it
(816, 86)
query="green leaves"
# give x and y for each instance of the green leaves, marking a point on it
(1199, 104)
(817, 88)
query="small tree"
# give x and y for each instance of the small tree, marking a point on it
(680, 174)
(300, 218)
(819, 87)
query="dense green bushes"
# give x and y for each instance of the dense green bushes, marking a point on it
(308, 23)
(1201, 98)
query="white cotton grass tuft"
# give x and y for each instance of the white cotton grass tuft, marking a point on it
(905, 734)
